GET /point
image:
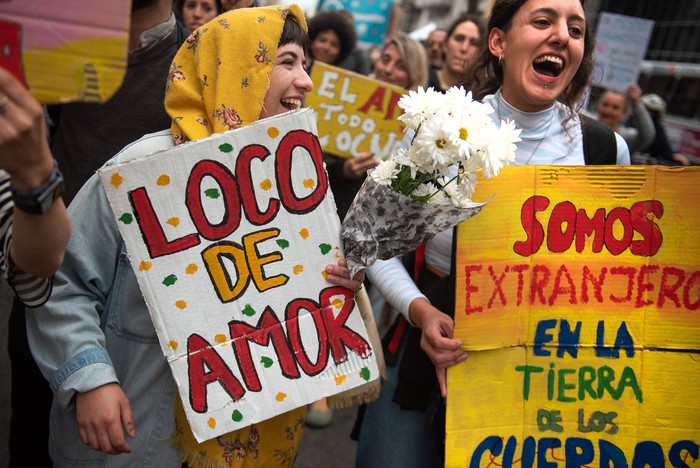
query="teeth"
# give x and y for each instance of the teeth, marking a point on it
(293, 103)
(550, 58)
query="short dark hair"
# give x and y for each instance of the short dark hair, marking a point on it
(487, 75)
(340, 22)
(293, 33)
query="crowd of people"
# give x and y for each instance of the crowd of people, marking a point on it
(90, 383)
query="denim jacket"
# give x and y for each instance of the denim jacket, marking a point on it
(96, 330)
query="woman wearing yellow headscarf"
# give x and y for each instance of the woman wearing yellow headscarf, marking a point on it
(95, 341)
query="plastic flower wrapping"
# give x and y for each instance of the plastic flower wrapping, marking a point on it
(426, 187)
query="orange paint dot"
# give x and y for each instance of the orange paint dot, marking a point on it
(266, 184)
(174, 221)
(211, 422)
(163, 180)
(116, 180)
(172, 344)
(191, 269)
(304, 233)
(273, 132)
(145, 266)
(220, 338)
(337, 303)
(309, 183)
(298, 269)
(324, 273)
(339, 379)
(181, 305)
(280, 396)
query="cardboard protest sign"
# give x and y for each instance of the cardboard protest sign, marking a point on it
(229, 237)
(578, 291)
(355, 113)
(621, 44)
(65, 50)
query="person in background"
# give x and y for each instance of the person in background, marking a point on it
(115, 397)
(533, 67)
(613, 110)
(660, 150)
(435, 47)
(333, 37)
(83, 136)
(194, 13)
(34, 225)
(460, 45)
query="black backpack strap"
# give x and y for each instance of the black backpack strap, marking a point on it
(599, 143)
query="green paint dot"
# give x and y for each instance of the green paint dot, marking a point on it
(266, 361)
(170, 280)
(225, 148)
(364, 373)
(237, 416)
(126, 218)
(212, 193)
(248, 310)
(325, 248)
(283, 243)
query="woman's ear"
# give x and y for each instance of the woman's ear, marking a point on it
(497, 42)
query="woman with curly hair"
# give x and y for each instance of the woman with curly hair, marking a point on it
(332, 35)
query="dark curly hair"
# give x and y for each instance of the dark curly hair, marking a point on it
(487, 75)
(341, 23)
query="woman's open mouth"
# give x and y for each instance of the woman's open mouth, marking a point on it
(291, 104)
(549, 65)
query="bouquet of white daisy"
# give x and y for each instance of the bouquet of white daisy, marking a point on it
(426, 187)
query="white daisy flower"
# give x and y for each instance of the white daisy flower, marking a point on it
(385, 172)
(501, 149)
(435, 139)
(417, 105)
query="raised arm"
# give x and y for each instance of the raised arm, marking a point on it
(40, 224)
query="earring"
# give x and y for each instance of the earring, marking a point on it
(500, 61)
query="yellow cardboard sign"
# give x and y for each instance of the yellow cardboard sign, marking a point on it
(578, 297)
(355, 114)
(65, 50)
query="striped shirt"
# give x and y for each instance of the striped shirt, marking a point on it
(31, 290)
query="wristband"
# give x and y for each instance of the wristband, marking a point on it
(40, 199)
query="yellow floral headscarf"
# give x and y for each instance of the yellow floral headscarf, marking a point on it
(219, 77)
(217, 82)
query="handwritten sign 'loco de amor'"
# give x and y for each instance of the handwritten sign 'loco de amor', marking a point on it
(229, 238)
